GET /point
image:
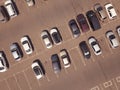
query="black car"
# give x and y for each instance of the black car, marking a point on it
(74, 28)
(93, 20)
(56, 36)
(85, 50)
(56, 63)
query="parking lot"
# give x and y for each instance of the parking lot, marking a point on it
(98, 73)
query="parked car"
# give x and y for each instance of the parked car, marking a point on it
(95, 46)
(65, 58)
(56, 36)
(82, 22)
(3, 15)
(110, 11)
(93, 20)
(100, 11)
(10, 7)
(74, 28)
(3, 63)
(56, 63)
(38, 70)
(46, 38)
(30, 2)
(85, 49)
(118, 30)
(112, 39)
(16, 52)
(27, 46)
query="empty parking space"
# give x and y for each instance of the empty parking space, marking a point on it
(29, 74)
(3, 85)
(12, 83)
(21, 80)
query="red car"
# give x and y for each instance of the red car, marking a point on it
(82, 22)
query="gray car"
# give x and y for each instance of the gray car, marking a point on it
(56, 63)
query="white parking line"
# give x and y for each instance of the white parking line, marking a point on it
(27, 80)
(17, 82)
(7, 84)
(47, 78)
(115, 85)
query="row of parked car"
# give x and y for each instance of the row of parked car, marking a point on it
(9, 9)
(93, 19)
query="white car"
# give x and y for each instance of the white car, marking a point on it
(10, 8)
(26, 45)
(30, 2)
(46, 38)
(55, 36)
(3, 64)
(118, 30)
(38, 71)
(110, 11)
(95, 46)
(16, 52)
(65, 58)
(112, 39)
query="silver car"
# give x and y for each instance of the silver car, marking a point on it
(16, 52)
(100, 11)
(30, 2)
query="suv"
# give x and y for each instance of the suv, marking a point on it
(82, 22)
(112, 39)
(85, 50)
(56, 63)
(16, 52)
(93, 20)
(110, 11)
(10, 7)
(74, 28)
(100, 12)
(3, 14)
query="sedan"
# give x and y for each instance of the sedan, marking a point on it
(74, 28)
(3, 63)
(38, 70)
(95, 46)
(112, 39)
(56, 36)
(110, 11)
(65, 58)
(11, 9)
(82, 22)
(56, 63)
(16, 52)
(46, 38)
(85, 49)
(100, 12)
(27, 46)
